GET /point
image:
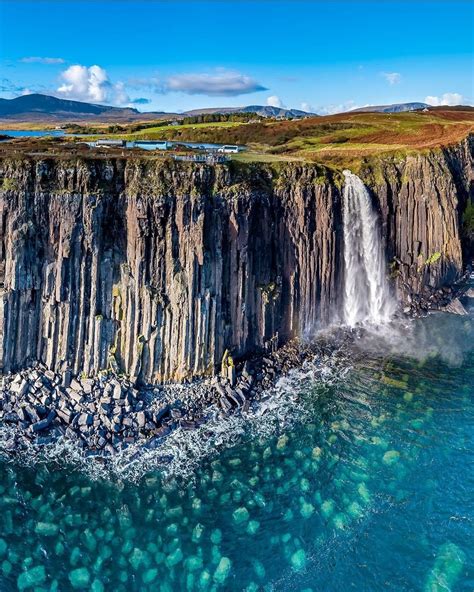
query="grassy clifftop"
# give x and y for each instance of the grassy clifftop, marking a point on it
(336, 139)
(347, 140)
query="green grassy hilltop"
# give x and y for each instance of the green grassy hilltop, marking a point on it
(334, 139)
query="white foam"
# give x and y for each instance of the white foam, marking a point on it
(181, 453)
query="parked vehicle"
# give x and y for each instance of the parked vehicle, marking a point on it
(227, 149)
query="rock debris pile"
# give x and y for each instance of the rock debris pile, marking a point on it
(107, 414)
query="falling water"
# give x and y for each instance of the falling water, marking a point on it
(366, 291)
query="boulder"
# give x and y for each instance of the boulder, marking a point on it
(44, 423)
(455, 307)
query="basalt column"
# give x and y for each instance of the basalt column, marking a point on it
(155, 269)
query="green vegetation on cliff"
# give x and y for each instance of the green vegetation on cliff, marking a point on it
(349, 140)
(468, 218)
(339, 140)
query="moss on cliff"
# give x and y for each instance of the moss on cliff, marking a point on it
(468, 218)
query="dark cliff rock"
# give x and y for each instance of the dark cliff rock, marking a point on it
(156, 268)
(421, 200)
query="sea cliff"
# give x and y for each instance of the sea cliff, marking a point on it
(155, 268)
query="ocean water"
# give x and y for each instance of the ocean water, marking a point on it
(357, 474)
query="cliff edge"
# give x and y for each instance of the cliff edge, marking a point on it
(155, 268)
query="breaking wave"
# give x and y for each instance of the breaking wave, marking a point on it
(181, 453)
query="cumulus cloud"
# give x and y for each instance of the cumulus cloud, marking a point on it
(275, 101)
(92, 84)
(447, 99)
(392, 77)
(222, 84)
(42, 60)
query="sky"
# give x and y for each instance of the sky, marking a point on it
(171, 55)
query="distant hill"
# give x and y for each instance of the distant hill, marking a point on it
(37, 103)
(453, 108)
(261, 110)
(267, 111)
(45, 108)
(37, 107)
(395, 108)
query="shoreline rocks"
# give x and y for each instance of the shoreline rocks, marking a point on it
(445, 299)
(107, 413)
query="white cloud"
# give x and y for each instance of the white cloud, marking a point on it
(42, 60)
(120, 95)
(275, 101)
(224, 83)
(340, 108)
(448, 99)
(305, 106)
(221, 83)
(392, 77)
(92, 84)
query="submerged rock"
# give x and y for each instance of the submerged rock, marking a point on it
(298, 560)
(79, 578)
(33, 577)
(391, 457)
(46, 529)
(223, 570)
(446, 570)
(240, 515)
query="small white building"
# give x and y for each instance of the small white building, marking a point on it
(111, 143)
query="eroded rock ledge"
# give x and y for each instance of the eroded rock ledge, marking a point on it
(153, 269)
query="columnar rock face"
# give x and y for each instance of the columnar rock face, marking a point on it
(156, 268)
(422, 200)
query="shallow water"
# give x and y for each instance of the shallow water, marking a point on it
(31, 133)
(361, 478)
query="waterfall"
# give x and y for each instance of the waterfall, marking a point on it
(366, 292)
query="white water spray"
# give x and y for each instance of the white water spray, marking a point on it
(366, 292)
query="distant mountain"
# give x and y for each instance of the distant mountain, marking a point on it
(260, 110)
(37, 103)
(43, 107)
(267, 111)
(395, 108)
(36, 107)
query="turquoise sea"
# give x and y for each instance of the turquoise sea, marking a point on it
(357, 474)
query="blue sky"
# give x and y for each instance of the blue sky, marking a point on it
(169, 55)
